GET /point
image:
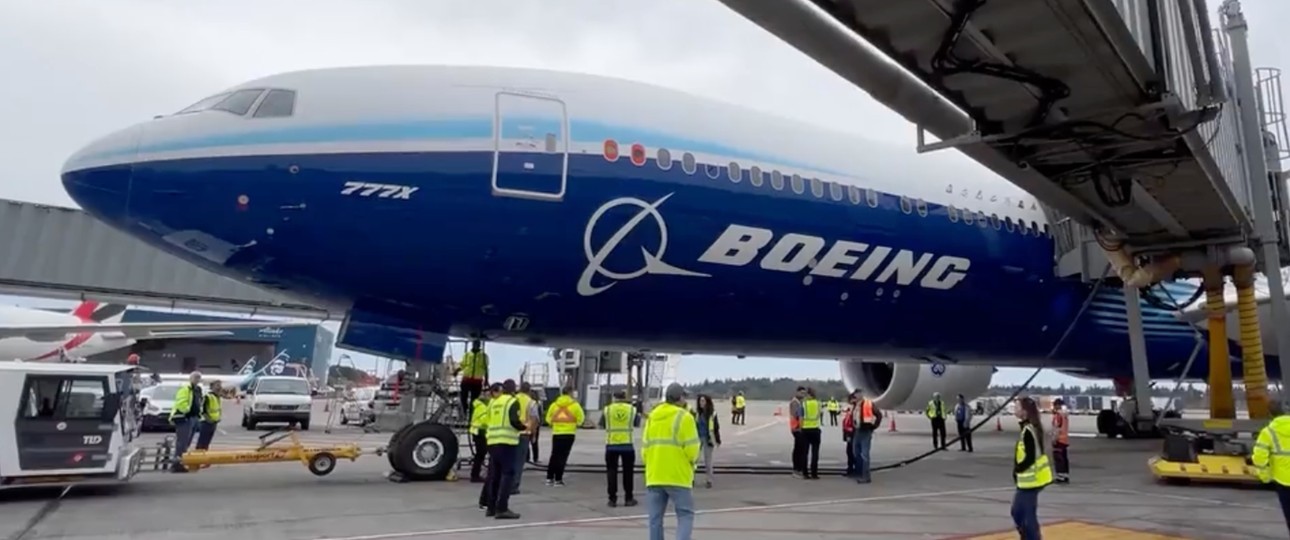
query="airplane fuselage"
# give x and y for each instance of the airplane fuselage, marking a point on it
(46, 347)
(569, 210)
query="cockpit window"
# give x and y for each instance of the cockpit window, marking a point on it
(239, 102)
(204, 104)
(278, 104)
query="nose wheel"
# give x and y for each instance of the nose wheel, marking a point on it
(423, 451)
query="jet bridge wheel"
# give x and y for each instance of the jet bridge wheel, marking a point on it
(424, 451)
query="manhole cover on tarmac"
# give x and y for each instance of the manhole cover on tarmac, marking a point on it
(1077, 530)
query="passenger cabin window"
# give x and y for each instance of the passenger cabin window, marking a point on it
(921, 206)
(1007, 223)
(277, 104)
(798, 186)
(817, 187)
(687, 163)
(734, 173)
(777, 180)
(854, 194)
(969, 217)
(994, 221)
(239, 102)
(64, 398)
(664, 159)
(755, 178)
(953, 213)
(982, 220)
(905, 205)
(835, 191)
(871, 197)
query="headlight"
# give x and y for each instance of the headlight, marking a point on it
(304, 407)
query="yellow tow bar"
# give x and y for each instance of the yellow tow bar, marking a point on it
(320, 460)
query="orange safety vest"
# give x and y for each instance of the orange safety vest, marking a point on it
(866, 412)
(1061, 427)
(562, 414)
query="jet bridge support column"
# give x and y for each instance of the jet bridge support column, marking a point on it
(1255, 374)
(1221, 402)
(1138, 352)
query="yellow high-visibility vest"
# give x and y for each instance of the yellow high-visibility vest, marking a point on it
(1039, 474)
(619, 419)
(500, 430)
(565, 415)
(1271, 456)
(474, 365)
(833, 405)
(479, 416)
(671, 442)
(811, 414)
(211, 411)
(740, 402)
(525, 400)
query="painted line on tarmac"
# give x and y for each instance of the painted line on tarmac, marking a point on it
(1191, 499)
(565, 522)
(755, 429)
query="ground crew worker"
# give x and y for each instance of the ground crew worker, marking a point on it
(565, 415)
(212, 405)
(705, 418)
(834, 409)
(811, 416)
(671, 442)
(1030, 471)
(618, 420)
(504, 427)
(936, 413)
(795, 427)
(530, 417)
(963, 421)
(474, 374)
(867, 418)
(535, 438)
(1061, 442)
(848, 433)
(740, 406)
(185, 415)
(1272, 457)
(479, 431)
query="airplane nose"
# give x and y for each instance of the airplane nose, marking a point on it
(98, 176)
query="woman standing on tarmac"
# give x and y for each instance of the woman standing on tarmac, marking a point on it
(705, 418)
(1030, 471)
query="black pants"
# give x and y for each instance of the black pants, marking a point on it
(614, 459)
(561, 446)
(833, 418)
(1061, 460)
(470, 389)
(496, 495)
(533, 447)
(799, 451)
(480, 440)
(811, 440)
(1283, 496)
(965, 437)
(205, 433)
(938, 430)
(851, 455)
(738, 417)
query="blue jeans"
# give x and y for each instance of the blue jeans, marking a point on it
(521, 459)
(1025, 513)
(184, 430)
(682, 501)
(861, 442)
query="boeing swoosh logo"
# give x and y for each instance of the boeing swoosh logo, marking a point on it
(653, 262)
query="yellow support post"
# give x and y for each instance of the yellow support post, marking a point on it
(1256, 375)
(1221, 402)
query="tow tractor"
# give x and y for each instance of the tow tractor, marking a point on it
(73, 424)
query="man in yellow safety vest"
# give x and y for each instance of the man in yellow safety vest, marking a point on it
(834, 410)
(618, 419)
(531, 418)
(564, 415)
(479, 431)
(1272, 457)
(936, 413)
(504, 427)
(741, 404)
(811, 415)
(185, 415)
(671, 441)
(474, 374)
(211, 411)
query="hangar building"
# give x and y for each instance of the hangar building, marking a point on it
(227, 350)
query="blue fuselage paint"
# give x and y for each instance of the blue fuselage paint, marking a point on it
(458, 254)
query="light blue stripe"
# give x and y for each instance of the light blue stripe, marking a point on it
(581, 131)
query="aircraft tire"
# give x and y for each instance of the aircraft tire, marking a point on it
(394, 443)
(426, 451)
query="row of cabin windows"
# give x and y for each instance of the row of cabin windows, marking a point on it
(855, 194)
(266, 102)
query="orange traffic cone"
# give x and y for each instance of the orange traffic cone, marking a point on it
(892, 428)
(779, 411)
(998, 424)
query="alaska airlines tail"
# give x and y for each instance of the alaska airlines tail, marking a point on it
(248, 368)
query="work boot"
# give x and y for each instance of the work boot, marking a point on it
(549, 482)
(630, 502)
(507, 515)
(613, 503)
(559, 483)
(490, 513)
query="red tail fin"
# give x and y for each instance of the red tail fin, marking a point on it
(85, 311)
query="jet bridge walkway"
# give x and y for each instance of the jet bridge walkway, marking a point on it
(1116, 114)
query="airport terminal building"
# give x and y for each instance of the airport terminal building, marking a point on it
(225, 351)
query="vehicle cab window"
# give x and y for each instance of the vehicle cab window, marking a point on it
(64, 398)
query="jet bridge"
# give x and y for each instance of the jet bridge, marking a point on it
(1144, 131)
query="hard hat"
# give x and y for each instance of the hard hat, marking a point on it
(132, 359)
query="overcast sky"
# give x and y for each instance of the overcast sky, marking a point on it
(79, 69)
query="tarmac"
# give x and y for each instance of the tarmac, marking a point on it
(949, 495)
